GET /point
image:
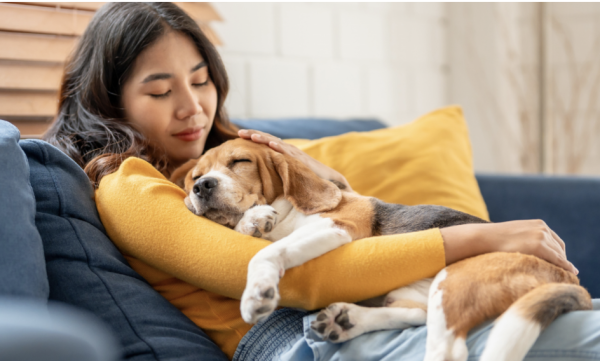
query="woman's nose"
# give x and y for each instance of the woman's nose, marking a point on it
(188, 104)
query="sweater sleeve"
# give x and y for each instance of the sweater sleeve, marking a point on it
(145, 216)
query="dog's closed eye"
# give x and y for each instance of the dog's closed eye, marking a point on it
(235, 161)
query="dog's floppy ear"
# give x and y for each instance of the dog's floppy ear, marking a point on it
(272, 186)
(180, 173)
(303, 188)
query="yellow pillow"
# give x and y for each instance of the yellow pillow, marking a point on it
(428, 161)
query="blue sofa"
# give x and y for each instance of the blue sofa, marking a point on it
(53, 249)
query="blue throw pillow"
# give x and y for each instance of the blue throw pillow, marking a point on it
(86, 270)
(22, 268)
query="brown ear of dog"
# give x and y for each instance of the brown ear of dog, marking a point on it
(303, 188)
(180, 173)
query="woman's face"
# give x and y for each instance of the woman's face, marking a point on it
(170, 97)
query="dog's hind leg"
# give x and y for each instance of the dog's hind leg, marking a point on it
(517, 329)
(344, 321)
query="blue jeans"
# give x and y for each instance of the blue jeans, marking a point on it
(286, 336)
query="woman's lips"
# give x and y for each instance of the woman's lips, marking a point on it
(190, 134)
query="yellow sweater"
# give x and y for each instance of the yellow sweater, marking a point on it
(200, 266)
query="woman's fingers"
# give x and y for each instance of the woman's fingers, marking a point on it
(556, 258)
(264, 138)
(257, 136)
(559, 240)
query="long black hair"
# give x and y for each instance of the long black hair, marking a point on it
(91, 126)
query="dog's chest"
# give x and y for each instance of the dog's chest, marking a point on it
(290, 219)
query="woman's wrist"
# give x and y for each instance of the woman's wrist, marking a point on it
(463, 241)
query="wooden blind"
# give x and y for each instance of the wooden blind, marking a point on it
(35, 40)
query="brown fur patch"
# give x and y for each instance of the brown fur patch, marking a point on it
(354, 214)
(483, 287)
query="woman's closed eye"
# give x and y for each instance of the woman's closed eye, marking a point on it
(200, 84)
(163, 95)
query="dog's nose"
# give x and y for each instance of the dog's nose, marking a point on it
(204, 186)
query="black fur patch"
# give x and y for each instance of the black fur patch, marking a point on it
(572, 299)
(396, 218)
(340, 185)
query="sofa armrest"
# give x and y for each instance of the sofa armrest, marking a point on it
(569, 205)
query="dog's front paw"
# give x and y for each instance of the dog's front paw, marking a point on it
(259, 300)
(338, 322)
(258, 221)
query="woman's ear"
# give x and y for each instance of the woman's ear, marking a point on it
(179, 174)
(303, 188)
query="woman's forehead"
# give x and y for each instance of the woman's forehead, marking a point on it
(172, 53)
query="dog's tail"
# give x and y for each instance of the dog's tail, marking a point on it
(520, 325)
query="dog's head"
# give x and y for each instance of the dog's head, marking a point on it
(229, 179)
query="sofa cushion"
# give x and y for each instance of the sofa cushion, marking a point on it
(22, 267)
(86, 270)
(308, 128)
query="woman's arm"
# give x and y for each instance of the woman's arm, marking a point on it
(526, 236)
(145, 216)
(532, 237)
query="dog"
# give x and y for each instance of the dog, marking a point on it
(262, 193)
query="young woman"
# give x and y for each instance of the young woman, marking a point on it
(142, 94)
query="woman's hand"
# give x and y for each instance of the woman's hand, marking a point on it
(531, 237)
(278, 145)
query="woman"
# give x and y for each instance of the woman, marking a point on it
(142, 94)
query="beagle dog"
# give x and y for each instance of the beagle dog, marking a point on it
(262, 193)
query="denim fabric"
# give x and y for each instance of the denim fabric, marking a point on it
(268, 339)
(308, 128)
(54, 332)
(22, 269)
(86, 270)
(569, 205)
(574, 336)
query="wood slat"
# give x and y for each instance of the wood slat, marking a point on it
(31, 128)
(28, 104)
(203, 12)
(92, 6)
(33, 76)
(33, 47)
(37, 19)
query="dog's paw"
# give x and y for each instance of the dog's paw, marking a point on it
(338, 322)
(258, 221)
(259, 300)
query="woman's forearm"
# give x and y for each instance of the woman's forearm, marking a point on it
(531, 237)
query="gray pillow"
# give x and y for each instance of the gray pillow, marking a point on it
(86, 270)
(22, 268)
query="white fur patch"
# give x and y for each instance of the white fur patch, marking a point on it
(417, 291)
(511, 338)
(440, 340)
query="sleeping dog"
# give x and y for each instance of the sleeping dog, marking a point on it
(262, 193)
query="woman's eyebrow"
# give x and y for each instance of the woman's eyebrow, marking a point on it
(201, 64)
(157, 76)
(161, 76)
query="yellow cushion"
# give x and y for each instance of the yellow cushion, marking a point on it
(428, 161)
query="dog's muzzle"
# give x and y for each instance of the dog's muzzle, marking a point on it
(204, 187)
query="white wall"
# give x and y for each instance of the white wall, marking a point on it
(339, 60)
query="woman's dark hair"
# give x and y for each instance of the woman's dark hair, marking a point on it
(91, 126)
